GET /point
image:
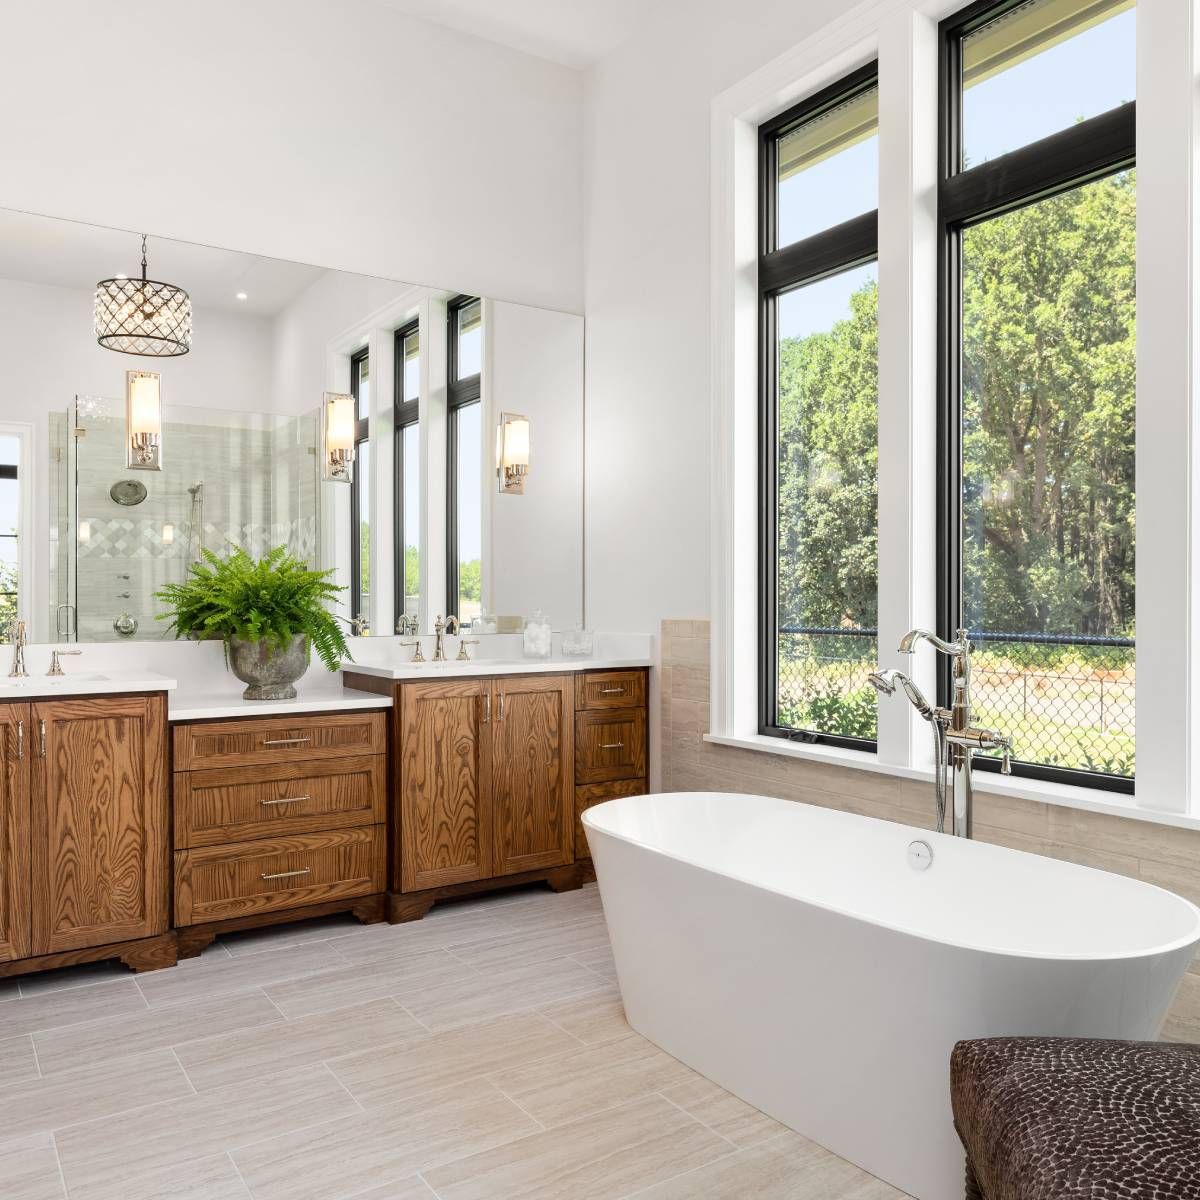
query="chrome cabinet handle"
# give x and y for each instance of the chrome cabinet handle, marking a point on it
(286, 800)
(20, 739)
(41, 739)
(289, 874)
(610, 691)
(487, 707)
(500, 714)
(296, 741)
(612, 746)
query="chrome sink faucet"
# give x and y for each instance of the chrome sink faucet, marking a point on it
(440, 629)
(17, 632)
(955, 737)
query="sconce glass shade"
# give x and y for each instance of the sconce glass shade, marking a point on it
(512, 453)
(142, 316)
(143, 420)
(337, 436)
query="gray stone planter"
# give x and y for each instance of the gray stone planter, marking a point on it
(268, 671)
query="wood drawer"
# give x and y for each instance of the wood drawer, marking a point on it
(235, 803)
(287, 739)
(218, 882)
(610, 744)
(597, 793)
(610, 689)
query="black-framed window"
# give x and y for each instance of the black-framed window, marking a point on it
(464, 482)
(407, 483)
(818, 420)
(1037, 377)
(360, 490)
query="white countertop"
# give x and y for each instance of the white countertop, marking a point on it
(185, 705)
(557, 664)
(83, 683)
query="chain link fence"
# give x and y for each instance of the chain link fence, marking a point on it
(1066, 701)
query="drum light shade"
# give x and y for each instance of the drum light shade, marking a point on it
(143, 316)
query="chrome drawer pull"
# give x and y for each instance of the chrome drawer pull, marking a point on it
(289, 874)
(41, 739)
(487, 707)
(612, 691)
(296, 741)
(612, 746)
(20, 739)
(286, 800)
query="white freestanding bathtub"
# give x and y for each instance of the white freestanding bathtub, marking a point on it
(794, 955)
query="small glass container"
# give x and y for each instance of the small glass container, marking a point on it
(538, 638)
(579, 643)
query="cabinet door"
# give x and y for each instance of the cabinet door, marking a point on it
(533, 789)
(98, 821)
(14, 831)
(445, 783)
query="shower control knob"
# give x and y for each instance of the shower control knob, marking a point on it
(125, 625)
(920, 855)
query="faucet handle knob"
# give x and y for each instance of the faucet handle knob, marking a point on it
(1006, 759)
(418, 655)
(463, 653)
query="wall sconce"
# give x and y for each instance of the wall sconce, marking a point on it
(85, 531)
(337, 436)
(512, 454)
(143, 420)
(168, 534)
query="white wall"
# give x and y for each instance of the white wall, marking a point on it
(335, 132)
(646, 194)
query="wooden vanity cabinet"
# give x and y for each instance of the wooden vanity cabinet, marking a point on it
(14, 833)
(485, 777)
(84, 849)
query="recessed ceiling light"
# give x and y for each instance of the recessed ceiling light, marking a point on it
(241, 295)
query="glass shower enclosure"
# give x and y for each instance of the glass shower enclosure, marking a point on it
(118, 535)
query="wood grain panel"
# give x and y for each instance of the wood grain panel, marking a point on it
(207, 745)
(597, 793)
(444, 783)
(610, 689)
(98, 821)
(533, 810)
(236, 803)
(610, 744)
(217, 882)
(14, 831)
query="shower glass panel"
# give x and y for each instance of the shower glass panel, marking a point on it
(246, 479)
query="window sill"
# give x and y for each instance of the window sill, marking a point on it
(1112, 804)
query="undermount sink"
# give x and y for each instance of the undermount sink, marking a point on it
(53, 680)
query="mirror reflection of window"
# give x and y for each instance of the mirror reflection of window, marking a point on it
(10, 546)
(360, 493)
(408, 472)
(465, 524)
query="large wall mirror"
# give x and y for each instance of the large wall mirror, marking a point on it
(426, 445)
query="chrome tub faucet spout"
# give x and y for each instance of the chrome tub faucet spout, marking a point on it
(955, 737)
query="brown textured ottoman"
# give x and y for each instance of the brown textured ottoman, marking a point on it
(1060, 1118)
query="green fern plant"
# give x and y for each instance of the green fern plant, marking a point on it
(275, 599)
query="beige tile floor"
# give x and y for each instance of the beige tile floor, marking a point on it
(480, 1054)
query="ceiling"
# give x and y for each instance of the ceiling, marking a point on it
(73, 255)
(575, 33)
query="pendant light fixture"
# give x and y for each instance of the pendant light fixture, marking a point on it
(143, 316)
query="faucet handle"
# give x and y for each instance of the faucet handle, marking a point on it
(418, 655)
(55, 664)
(463, 653)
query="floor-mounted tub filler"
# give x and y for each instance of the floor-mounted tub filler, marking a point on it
(821, 965)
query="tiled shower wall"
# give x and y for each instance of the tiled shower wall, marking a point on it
(1159, 854)
(259, 479)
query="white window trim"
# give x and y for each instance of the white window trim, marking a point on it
(902, 34)
(28, 557)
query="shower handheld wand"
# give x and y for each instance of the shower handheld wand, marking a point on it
(955, 737)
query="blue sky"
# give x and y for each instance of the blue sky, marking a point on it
(1079, 78)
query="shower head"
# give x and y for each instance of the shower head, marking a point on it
(885, 681)
(196, 488)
